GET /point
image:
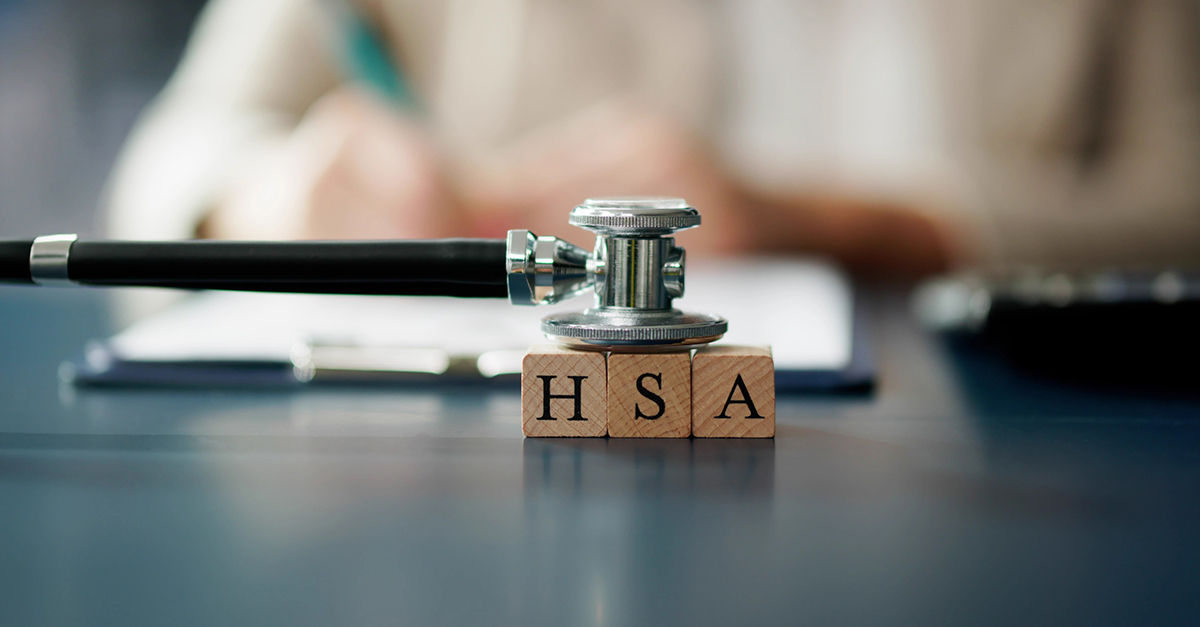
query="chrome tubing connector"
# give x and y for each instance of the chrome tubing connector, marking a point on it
(48, 257)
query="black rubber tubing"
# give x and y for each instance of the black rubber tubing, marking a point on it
(14, 261)
(472, 268)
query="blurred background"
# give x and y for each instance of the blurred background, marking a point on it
(895, 137)
(74, 74)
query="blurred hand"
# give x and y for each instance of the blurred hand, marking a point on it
(352, 169)
(611, 150)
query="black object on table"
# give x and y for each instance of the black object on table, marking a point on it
(1135, 330)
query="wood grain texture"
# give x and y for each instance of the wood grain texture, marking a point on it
(733, 392)
(649, 395)
(551, 365)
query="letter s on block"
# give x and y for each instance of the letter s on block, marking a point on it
(655, 398)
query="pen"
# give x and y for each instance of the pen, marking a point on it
(365, 56)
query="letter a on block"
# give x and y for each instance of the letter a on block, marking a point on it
(562, 393)
(649, 395)
(733, 392)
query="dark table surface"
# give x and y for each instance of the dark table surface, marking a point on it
(961, 492)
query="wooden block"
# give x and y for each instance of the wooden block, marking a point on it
(733, 392)
(649, 395)
(562, 393)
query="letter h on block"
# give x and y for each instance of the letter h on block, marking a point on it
(563, 393)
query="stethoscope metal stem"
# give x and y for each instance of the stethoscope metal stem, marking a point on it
(634, 272)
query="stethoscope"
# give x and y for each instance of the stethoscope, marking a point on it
(635, 270)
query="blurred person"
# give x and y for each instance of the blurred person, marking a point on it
(896, 136)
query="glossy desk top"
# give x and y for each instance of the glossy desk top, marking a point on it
(961, 492)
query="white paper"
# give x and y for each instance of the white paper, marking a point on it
(802, 309)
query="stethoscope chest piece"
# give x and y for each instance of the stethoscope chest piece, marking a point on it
(635, 270)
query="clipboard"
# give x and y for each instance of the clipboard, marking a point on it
(803, 309)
